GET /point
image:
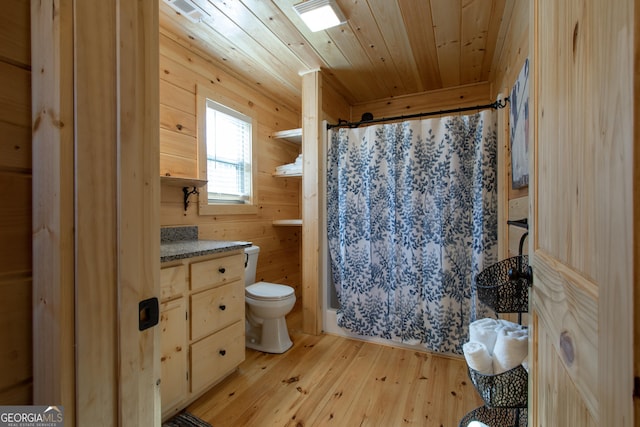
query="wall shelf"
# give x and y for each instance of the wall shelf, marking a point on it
(287, 222)
(175, 181)
(291, 135)
(189, 186)
(295, 136)
(288, 175)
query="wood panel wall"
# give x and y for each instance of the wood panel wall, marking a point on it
(181, 69)
(460, 96)
(512, 49)
(334, 105)
(15, 204)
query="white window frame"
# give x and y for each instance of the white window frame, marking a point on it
(204, 93)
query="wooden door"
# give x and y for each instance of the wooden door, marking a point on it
(582, 212)
(96, 209)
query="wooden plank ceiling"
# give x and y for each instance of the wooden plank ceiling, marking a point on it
(386, 49)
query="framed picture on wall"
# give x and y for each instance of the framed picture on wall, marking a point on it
(519, 129)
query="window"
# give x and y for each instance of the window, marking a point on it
(226, 139)
(228, 136)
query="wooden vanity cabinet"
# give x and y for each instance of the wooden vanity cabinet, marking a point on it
(202, 325)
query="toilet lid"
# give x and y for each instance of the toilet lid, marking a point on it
(268, 291)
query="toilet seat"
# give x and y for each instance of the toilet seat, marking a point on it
(264, 291)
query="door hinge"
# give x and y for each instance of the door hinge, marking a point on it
(636, 387)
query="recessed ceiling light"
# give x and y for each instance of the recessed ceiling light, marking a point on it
(320, 14)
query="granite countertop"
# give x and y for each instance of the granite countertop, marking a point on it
(182, 242)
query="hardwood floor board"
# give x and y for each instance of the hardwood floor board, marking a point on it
(290, 389)
(239, 389)
(415, 408)
(340, 392)
(316, 380)
(327, 380)
(404, 375)
(448, 385)
(371, 403)
(259, 385)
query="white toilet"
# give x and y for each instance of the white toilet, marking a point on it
(267, 304)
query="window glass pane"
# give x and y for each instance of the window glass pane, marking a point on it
(228, 136)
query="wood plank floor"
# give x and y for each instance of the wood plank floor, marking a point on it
(334, 381)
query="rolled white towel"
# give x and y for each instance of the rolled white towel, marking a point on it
(509, 326)
(510, 350)
(476, 424)
(484, 331)
(289, 168)
(478, 357)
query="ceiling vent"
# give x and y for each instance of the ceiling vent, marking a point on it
(189, 10)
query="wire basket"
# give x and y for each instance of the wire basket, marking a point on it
(497, 417)
(504, 286)
(506, 390)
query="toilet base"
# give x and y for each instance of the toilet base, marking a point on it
(271, 336)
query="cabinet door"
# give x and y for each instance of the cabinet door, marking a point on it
(216, 355)
(173, 281)
(216, 308)
(173, 360)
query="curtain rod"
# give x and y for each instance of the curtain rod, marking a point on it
(343, 123)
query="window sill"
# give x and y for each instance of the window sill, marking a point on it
(205, 208)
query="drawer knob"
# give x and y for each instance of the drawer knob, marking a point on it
(222, 270)
(223, 307)
(222, 352)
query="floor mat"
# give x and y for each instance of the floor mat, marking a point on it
(185, 419)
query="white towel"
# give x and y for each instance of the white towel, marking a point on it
(510, 350)
(476, 424)
(478, 357)
(290, 168)
(509, 326)
(484, 331)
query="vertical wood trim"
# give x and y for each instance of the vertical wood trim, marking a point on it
(613, 39)
(503, 191)
(96, 145)
(138, 209)
(311, 156)
(201, 137)
(636, 209)
(533, 386)
(53, 245)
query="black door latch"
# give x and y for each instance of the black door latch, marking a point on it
(149, 313)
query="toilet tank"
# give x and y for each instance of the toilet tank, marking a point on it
(250, 264)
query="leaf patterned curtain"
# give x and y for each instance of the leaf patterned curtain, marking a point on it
(412, 219)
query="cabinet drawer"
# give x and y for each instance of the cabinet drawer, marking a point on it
(216, 308)
(216, 355)
(173, 281)
(217, 271)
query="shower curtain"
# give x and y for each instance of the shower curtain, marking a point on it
(411, 220)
